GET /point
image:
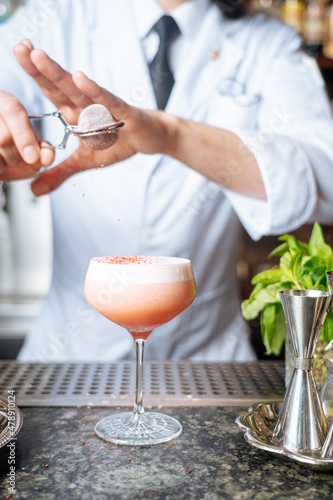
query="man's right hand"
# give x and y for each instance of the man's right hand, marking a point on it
(21, 156)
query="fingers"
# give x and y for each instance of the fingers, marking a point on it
(56, 83)
(60, 78)
(17, 137)
(51, 179)
(8, 150)
(47, 155)
(99, 95)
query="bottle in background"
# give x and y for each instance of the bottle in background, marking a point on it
(328, 32)
(314, 26)
(292, 12)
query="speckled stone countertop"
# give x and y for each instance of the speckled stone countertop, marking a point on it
(59, 457)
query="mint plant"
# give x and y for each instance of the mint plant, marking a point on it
(302, 266)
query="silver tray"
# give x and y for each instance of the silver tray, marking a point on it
(9, 429)
(258, 425)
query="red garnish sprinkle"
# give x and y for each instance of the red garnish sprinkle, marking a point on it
(129, 459)
(7, 496)
(82, 442)
(127, 259)
(190, 470)
(46, 465)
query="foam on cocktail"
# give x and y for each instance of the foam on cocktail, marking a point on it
(140, 269)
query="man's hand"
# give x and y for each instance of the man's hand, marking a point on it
(211, 151)
(144, 131)
(21, 156)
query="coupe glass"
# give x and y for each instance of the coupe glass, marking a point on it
(139, 293)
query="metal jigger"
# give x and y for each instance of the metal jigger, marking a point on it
(301, 426)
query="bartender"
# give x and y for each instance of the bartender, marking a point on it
(241, 133)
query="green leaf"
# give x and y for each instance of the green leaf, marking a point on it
(287, 285)
(320, 283)
(255, 290)
(273, 328)
(287, 272)
(296, 266)
(280, 250)
(328, 259)
(267, 277)
(266, 295)
(291, 242)
(310, 263)
(306, 282)
(322, 250)
(327, 331)
(316, 238)
(294, 244)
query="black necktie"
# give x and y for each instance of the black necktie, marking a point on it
(160, 71)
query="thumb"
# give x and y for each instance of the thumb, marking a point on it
(51, 179)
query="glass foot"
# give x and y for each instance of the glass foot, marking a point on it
(142, 429)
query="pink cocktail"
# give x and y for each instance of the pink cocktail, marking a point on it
(139, 293)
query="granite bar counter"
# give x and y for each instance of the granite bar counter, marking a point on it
(58, 456)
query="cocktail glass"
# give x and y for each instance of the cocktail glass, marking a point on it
(139, 293)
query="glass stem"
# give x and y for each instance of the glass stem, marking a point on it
(139, 350)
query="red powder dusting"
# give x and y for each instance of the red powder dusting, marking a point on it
(127, 259)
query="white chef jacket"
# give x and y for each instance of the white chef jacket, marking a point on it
(247, 76)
